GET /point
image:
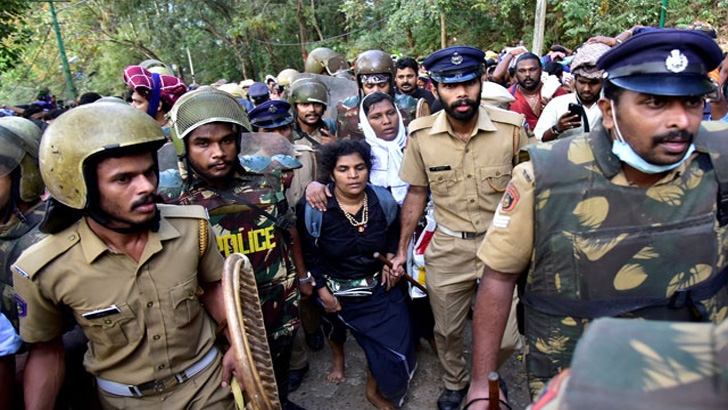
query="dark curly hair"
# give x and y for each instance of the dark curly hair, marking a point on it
(330, 154)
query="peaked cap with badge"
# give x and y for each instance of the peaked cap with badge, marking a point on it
(271, 114)
(667, 62)
(455, 64)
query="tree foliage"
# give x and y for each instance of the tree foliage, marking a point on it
(236, 39)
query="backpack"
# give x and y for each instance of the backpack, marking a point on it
(313, 217)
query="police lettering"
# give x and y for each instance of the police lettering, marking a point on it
(247, 242)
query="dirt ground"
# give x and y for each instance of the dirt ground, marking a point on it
(316, 393)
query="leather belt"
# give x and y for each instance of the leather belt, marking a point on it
(156, 386)
(461, 235)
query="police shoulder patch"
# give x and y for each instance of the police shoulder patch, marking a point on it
(510, 198)
(34, 258)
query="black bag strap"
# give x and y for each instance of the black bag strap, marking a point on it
(689, 297)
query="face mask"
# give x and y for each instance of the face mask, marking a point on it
(626, 154)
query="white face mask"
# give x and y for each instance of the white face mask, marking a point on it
(626, 154)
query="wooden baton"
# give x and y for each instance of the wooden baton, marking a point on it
(378, 256)
(493, 391)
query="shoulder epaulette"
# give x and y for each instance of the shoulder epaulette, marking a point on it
(509, 117)
(42, 253)
(303, 147)
(183, 211)
(421, 123)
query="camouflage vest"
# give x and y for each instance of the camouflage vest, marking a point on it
(242, 230)
(348, 114)
(17, 235)
(606, 250)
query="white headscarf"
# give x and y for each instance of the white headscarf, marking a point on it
(387, 155)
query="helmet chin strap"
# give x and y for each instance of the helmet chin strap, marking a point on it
(104, 219)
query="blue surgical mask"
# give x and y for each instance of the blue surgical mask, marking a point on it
(626, 154)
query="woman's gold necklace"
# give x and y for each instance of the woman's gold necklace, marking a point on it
(359, 225)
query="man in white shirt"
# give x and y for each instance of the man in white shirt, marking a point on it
(556, 120)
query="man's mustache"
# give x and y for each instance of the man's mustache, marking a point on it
(146, 200)
(673, 136)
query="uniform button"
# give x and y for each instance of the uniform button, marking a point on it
(156, 337)
(71, 237)
(439, 178)
(472, 200)
(470, 175)
(161, 366)
(191, 292)
(107, 321)
(497, 173)
(467, 149)
(150, 304)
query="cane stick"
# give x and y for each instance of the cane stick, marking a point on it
(378, 256)
(493, 391)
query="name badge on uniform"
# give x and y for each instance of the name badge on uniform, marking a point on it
(440, 168)
(95, 314)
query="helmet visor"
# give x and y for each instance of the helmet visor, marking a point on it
(11, 151)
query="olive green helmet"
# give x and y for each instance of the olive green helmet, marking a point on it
(374, 62)
(87, 131)
(325, 58)
(19, 140)
(285, 77)
(201, 107)
(308, 90)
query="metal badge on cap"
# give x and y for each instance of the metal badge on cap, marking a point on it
(272, 109)
(456, 59)
(676, 62)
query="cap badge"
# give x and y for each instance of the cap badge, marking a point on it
(456, 59)
(272, 109)
(676, 62)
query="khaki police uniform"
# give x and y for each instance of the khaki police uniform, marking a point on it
(467, 180)
(156, 329)
(304, 175)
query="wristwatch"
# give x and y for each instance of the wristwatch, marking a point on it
(307, 279)
(555, 130)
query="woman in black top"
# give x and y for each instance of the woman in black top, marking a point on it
(360, 219)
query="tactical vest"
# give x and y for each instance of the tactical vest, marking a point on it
(606, 250)
(14, 239)
(239, 229)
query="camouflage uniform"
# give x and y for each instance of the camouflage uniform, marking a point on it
(15, 236)
(239, 229)
(644, 364)
(603, 249)
(348, 114)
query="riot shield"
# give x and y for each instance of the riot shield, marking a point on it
(339, 89)
(266, 151)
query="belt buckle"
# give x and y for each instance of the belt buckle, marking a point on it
(159, 386)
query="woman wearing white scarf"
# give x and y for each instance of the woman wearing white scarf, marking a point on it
(387, 147)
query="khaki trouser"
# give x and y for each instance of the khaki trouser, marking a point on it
(453, 269)
(202, 391)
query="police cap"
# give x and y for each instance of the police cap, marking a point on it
(271, 114)
(667, 62)
(455, 64)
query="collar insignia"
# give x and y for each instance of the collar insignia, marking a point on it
(676, 62)
(456, 59)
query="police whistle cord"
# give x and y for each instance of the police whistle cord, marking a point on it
(378, 256)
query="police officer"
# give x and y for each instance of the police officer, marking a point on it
(245, 208)
(284, 80)
(128, 269)
(21, 210)
(464, 155)
(374, 71)
(258, 93)
(275, 116)
(310, 98)
(325, 61)
(620, 222)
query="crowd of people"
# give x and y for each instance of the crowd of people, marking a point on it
(540, 193)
